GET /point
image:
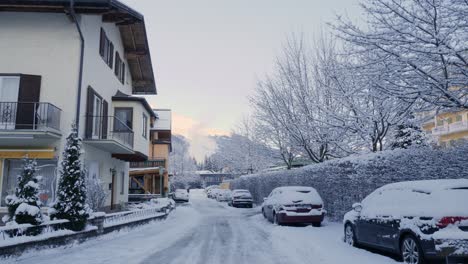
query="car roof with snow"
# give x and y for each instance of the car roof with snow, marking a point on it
(241, 190)
(305, 194)
(295, 188)
(427, 186)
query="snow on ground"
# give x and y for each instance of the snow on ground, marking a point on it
(205, 231)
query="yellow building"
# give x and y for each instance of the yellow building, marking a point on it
(448, 128)
(150, 178)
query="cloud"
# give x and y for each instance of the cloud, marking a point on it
(198, 133)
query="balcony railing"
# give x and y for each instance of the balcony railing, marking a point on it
(149, 164)
(108, 127)
(450, 128)
(29, 116)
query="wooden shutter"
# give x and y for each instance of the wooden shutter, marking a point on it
(102, 42)
(117, 64)
(104, 118)
(89, 113)
(28, 94)
(122, 79)
(111, 55)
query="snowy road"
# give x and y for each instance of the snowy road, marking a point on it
(209, 232)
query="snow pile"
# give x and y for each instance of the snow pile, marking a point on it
(158, 203)
(342, 182)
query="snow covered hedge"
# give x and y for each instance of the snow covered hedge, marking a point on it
(344, 181)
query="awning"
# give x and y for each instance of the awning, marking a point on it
(31, 153)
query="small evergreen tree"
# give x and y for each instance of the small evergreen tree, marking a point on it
(71, 193)
(24, 207)
(409, 136)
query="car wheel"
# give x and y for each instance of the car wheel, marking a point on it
(349, 235)
(316, 224)
(411, 251)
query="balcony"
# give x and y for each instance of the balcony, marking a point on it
(161, 163)
(29, 124)
(447, 129)
(110, 134)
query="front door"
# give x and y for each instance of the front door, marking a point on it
(367, 230)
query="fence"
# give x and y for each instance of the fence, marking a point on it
(12, 233)
(126, 217)
(108, 127)
(29, 116)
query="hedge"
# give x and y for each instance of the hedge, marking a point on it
(342, 182)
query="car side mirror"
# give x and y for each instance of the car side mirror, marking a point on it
(357, 207)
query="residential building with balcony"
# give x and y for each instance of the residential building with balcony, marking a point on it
(448, 128)
(61, 63)
(151, 178)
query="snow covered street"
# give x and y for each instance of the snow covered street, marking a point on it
(210, 232)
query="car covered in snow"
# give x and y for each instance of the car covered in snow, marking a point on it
(241, 198)
(223, 195)
(212, 192)
(294, 205)
(418, 220)
(180, 196)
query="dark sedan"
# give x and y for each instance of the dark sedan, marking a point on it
(418, 220)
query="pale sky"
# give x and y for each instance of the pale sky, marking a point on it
(208, 54)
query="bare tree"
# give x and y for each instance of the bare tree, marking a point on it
(364, 114)
(182, 166)
(423, 46)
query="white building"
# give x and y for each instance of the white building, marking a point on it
(40, 56)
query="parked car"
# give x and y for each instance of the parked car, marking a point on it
(294, 205)
(212, 192)
(418, 220)
(181, 196)
(241, 198)
(207, 189)
(223, 195)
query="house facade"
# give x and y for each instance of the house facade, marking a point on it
(151, 178)
(448, 128)
(61, 64)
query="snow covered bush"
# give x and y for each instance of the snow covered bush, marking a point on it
(342, 182)
(71, 193)
(24, 205)
(95, 193)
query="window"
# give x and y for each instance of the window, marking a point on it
(11, 169)
(17, 95)
(119, 68)
(458, 118)
(122, 182)
(145, 126)
(97, 113)
(124, 118)
(106, 49)
(449, 120)
(96, 116)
